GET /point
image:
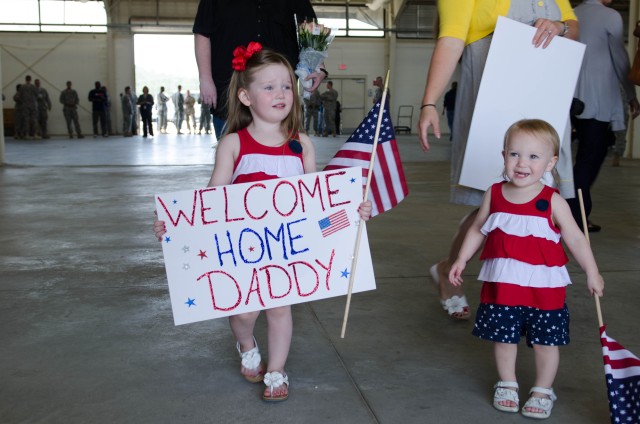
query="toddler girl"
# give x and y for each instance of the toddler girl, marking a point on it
(262, 142)
(524, 270)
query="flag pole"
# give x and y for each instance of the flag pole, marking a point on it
(364, 197)
(585, 229)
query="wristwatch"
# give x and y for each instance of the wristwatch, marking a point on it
(565, 30)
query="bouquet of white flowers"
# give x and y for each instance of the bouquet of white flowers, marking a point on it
(314, 39)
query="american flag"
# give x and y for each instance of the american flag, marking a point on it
(334, 223)
(622, 369)
(388, 183)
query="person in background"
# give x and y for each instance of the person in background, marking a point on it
(98, 99)
(69, 99)
(218, 31)
(135, 115)
(377, 96)
(449, 106)
(145, 102)
(178, 102)
(107, 110)
(330, 103)
(205, 117)
(127, 112)
(29, 98)
(190, 112)
(44, 106)
(18, 116)
(161, 105)
(315, 103)
(604, 69)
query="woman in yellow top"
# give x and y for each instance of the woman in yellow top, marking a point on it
(466, 27)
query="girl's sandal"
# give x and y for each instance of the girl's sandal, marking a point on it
(275, 380)
(543, 404)
(252, 362)
(506, 391)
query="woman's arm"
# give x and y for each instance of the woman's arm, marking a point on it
(445, 58)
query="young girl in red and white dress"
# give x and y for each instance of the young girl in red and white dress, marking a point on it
(524, 270)
(262, 143)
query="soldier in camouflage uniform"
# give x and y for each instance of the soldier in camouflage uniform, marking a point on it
(29, 98)
(18, 116)
(330, 103)
(69, 99)
(127, 112)
(161, 105)
(44, 106)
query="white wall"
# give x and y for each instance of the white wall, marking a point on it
(54, 59)
(84, 59)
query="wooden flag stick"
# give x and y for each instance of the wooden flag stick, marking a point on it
(364, 197)
(585, 229)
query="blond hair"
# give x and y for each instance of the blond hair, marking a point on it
(539, 129)
(239, 115)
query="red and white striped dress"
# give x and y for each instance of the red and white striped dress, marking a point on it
(524, 261)
(257, 162)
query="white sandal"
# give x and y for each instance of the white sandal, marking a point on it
(506, 391)
(453, 305)
(251, 360)
(274, 380)
(544, 404)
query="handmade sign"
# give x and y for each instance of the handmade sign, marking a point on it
(253, 246)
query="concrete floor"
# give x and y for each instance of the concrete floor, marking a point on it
(87, 334)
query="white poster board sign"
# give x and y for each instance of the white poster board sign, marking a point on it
(253, 246)
(519, 81)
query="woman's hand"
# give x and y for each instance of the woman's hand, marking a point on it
(546, 31)
(428, 118)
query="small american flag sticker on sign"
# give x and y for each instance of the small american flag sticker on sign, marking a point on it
(334, 223)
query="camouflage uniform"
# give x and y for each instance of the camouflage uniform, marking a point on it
(330, 102)
(18, 116)
(69, 99)
(29, 97)
(190, 111)
(44, 106)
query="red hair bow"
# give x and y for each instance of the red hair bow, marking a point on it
(242, 54)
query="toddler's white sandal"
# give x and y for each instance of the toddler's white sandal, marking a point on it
(274, 380)
(252, 361)
(506, 391)
(543, 404)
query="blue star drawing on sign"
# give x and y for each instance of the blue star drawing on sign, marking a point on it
(345, 273)
(175, 201)
(353, 180)
(190, 302)
(167, 239)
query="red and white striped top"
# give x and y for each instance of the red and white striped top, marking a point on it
(257, 162)
(524, 261)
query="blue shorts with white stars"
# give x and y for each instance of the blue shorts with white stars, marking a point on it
(505, 324)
